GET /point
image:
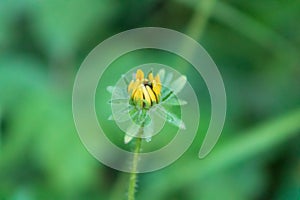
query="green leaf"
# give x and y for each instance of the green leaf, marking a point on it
(174, 101)
(171, 118)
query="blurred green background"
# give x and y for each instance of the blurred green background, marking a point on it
(256, 46)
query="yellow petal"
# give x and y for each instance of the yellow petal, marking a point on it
(151, 94)
(138, 97)
(157, 85)
(134, 87)
(147, 97)
(157, 79)
(156, 89)
(150, 76)
(139, 75)
(130, 86)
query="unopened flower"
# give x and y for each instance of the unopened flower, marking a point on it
(144, 94)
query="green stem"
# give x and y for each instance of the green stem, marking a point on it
(196, 27)
(197, 24)
(133, 174)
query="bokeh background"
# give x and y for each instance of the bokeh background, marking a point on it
(256, 46)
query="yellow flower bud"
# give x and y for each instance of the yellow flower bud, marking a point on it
(145, 92)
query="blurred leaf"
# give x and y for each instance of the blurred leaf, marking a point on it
(40, 132)
(252, 143)
(62, 26)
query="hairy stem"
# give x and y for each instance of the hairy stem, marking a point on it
(133, 174)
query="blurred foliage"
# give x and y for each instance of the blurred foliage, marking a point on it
(256, 46)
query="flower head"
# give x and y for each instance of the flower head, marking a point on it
(144, 92)
(145, 95)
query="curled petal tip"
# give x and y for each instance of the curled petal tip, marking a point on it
(150, 76)
(110, 89)
(111, 118)
(139, 74)
(182, 126)
(127, 139)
